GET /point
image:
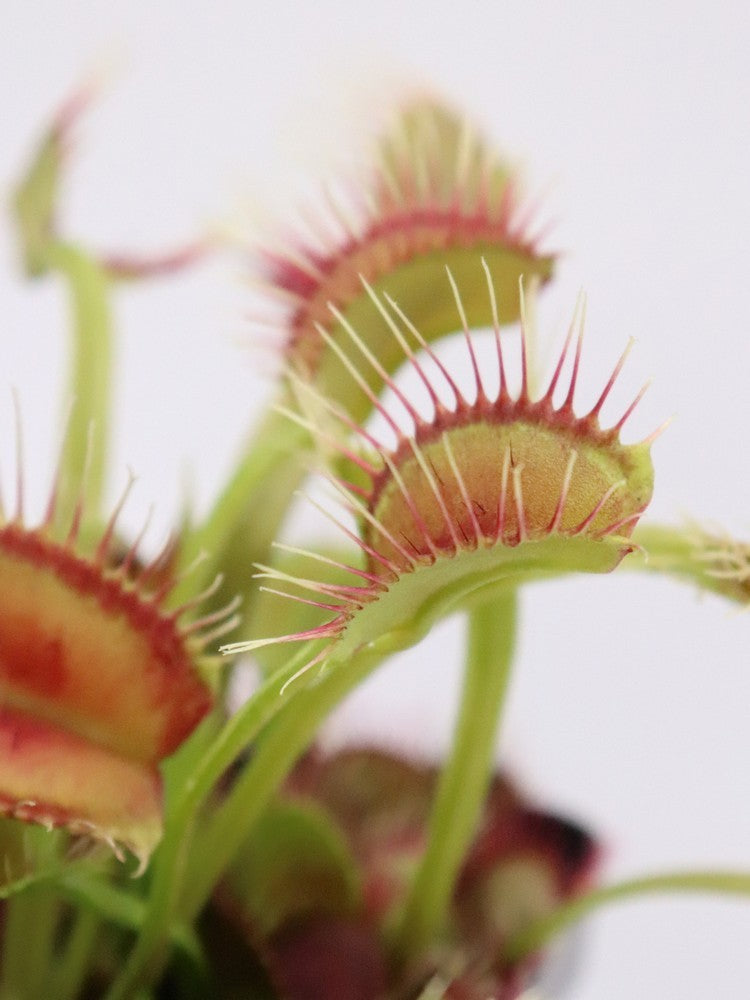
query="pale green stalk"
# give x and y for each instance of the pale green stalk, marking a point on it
(288, 736)
(69, 975)
(666, 549)
(83, 464)
(246, 516)
(465, 776)
(541, 932)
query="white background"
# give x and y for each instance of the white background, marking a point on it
(630, 705)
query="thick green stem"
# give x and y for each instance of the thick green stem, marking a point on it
(83, 465)
(464, 778)
(149, 953)
(538, 934)
(288, 736)
(245, 519)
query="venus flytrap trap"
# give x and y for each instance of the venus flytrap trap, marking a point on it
(437, 191)
(99, 683)
(279, 871)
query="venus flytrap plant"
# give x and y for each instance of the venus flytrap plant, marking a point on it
(447, 884)
(483, 495)
(436, 193)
